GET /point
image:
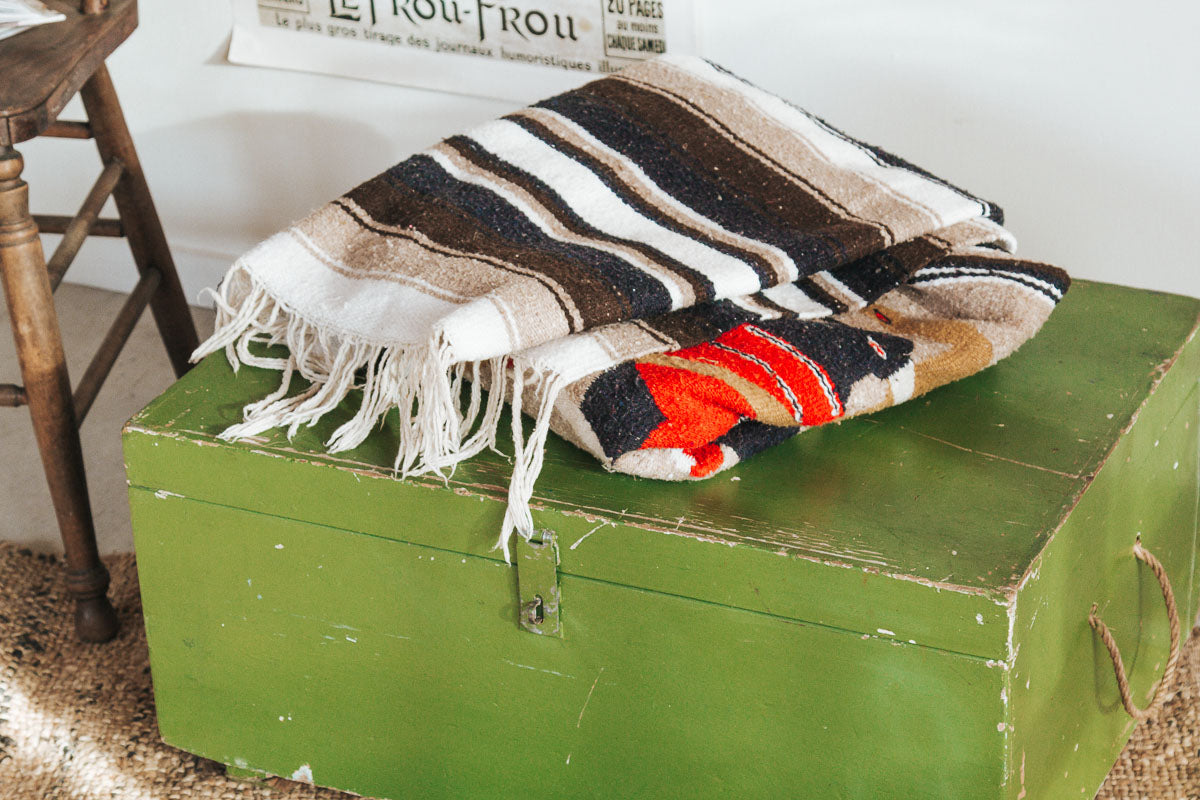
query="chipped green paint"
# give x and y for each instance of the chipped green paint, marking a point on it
(855, 613)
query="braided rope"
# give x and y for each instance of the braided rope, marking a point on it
(1172, 660)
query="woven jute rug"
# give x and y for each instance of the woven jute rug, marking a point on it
(77, 721)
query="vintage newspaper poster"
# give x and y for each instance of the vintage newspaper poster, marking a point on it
(513, 49)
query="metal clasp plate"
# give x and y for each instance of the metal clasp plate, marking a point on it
(537, 584)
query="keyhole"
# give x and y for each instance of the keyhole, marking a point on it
(537, 611)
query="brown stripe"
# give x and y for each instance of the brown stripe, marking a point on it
(667, 341)
(556, 224)
(910, 256)
(788, 200)
(834, 288)
(693, 285)
(767, 302)
(392, 207)
(332, 229)
(474, 272)
(627, 340)
(817, 293)
(640, 192)
(861, 195)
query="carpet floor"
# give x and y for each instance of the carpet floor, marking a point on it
(77, 721)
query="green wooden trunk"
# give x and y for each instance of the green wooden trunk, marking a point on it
(891, 607)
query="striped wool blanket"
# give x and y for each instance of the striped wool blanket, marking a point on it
(670, 267)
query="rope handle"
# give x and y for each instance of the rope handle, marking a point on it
(1118, 665)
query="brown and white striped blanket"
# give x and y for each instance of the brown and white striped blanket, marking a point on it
(670, 267)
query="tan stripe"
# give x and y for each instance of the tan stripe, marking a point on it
(944, 348)
(551, 223)
(855, 194)
(480, 273)
(373, 257)
(968, 351)
(645, 325)
(639, 184)
(406, 259)
(623, 341)
(734, 109)
(506, 313)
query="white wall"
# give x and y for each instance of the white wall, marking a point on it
(1080, 119)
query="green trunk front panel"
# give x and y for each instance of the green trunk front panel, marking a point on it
(398, 671)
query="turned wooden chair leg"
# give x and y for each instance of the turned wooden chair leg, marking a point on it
(48, 392)
(142, 226)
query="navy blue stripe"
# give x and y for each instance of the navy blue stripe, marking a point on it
(691, 183)
(750, 437)
(872, 276)
(620, 409)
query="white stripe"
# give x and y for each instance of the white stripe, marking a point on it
(945, 204)
(789, 272)
(669, 281)
(381, 272)
(1007, 282)
(731, 459)
(748, 303)
(854, 300)
(663, 463)
(598, 206)
(1020, 277)
(480, 330)
(1002, 236)
(575, 356)
(789, 296)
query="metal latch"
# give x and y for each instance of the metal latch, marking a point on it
(537, 584)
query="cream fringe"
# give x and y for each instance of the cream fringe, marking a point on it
(423, 381)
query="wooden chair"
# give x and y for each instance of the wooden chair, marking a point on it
(40, 70)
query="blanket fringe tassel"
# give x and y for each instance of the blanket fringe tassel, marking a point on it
(441, 421)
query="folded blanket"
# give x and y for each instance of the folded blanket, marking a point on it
(670, 267)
